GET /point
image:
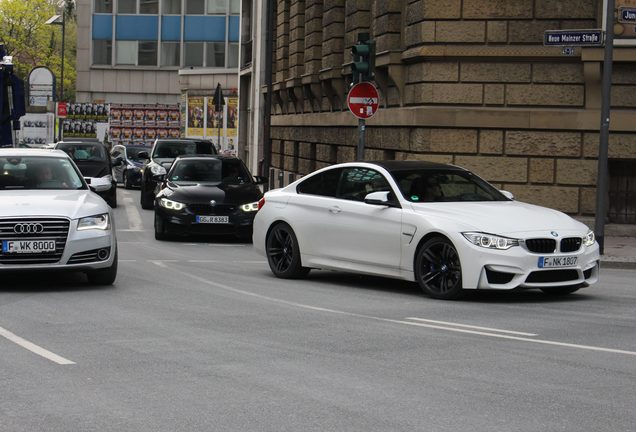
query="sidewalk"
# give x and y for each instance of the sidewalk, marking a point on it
(620, 252)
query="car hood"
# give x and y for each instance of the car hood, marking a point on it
(65, 203)
(221, 193)
(501, 217)
(93, 169)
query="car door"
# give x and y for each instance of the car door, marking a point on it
(361, 233)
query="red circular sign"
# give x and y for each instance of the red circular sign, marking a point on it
(363, 100)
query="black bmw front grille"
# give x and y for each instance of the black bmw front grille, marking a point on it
(541, 245)
(34, 229)
(571, 244)
(208, 210)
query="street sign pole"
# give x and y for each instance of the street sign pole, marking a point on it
(601, 184)
(361, 131)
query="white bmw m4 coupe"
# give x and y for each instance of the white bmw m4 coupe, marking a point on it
(51, 220)
(439, 225)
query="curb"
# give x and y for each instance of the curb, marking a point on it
(615, 264)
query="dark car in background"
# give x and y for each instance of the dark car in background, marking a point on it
(93, 160)
(159, 160)
(128, 164)
(207, 195)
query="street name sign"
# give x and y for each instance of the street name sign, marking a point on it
(592, 37)
(363, 100)
(626, 15)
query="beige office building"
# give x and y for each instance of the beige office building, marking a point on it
(468, 82)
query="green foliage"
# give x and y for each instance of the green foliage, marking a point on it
(33, 43)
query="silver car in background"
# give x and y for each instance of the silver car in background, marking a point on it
(51, 220)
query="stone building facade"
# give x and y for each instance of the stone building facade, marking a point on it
(467, 82)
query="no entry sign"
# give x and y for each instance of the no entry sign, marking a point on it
(363, 100)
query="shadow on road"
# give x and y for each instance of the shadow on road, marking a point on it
(47, 282)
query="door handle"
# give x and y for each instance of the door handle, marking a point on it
(335, 210)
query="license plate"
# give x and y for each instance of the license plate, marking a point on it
(553, 262)
(27, 246)
(213, 219)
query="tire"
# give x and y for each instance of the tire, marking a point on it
(438, 270)
(160, 228)
(283, 253)
(112, 201)
(146, 199)
(104, 276)
(126, 181)
(561, 291)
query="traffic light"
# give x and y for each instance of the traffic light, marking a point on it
(363, 53)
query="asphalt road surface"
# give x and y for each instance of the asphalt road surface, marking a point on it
(199, 336)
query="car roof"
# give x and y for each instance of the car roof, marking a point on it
(206, 156)
(10, 151)
(393, 165)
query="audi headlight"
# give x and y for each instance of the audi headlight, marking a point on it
(157, 169)
(490, 241)
(589, 239)
(171, 205)
(100, 222)
(251, 207)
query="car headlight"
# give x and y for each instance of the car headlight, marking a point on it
(171, 205)
(157, 169)
(251, 207)
(490, 241)
(589, 239)
(100, 222)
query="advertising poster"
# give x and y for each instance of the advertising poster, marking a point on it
(82, 118)
(195, 116)
(36, 129)
(141, 124)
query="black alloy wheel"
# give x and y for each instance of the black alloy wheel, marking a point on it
(438, 270)
(283, 253)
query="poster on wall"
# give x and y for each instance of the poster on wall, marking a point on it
(141, 124)
(82, 118)
(232, 124)
(195, 116)
(36, 130)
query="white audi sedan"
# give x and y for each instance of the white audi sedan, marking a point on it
(439, 225)
(51, 220)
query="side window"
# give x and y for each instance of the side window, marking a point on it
(357, 183)
(324, 184)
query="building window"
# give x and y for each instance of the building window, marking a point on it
(232, 55)
(217, 7)
(126, 52)
(235, 7)
(127, 6)
(149, 7)
(170, 54)
(103, 6)
(215, 54)
(171, 7)
(147, 54)
(195, 7)
(193, 54)
(102, 52)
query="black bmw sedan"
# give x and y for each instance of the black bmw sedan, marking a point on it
(207, 195)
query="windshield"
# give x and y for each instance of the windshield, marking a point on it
(133, 153)
(84, 152)
(444, 185)
(228, 171)
(171, 150)
(28, 172)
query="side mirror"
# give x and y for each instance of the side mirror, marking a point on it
(159, 178)
(507, 194)
(380, 198)
(261, 180)
(88, 180)
(143, 155)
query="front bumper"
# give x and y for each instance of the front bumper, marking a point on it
(83, 250)
(184, 223)
(519, 268)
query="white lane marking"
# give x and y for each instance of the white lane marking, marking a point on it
(388, 320)
(34, 348)
(126, 261)
(162, 263)
(471, 326)
(134, 217)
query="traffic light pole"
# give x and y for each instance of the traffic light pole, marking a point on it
(361, 132)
